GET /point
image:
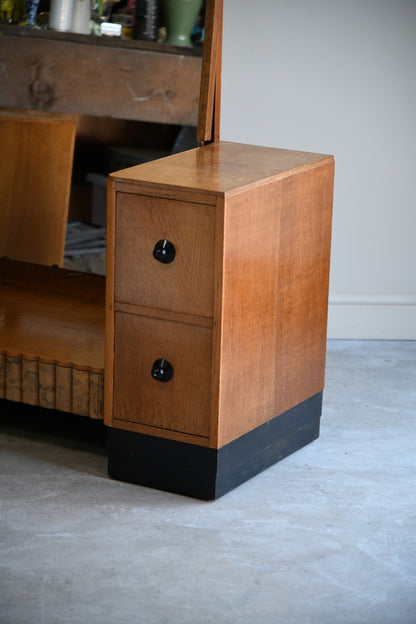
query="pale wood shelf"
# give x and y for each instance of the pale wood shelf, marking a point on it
(52, 337)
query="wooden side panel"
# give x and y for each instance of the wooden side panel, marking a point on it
(109, 306)
(274, 307)
(89, 78)
(35, 178)
(217, 169)
(304, 260)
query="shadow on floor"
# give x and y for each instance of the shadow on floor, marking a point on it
(47, 434)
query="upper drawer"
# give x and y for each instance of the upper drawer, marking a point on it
(185, 284)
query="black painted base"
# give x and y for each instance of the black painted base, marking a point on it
(208, 473)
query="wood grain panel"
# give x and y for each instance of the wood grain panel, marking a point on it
(35, 179)
(274, 307)
(182, 404)
(305, 245)
(184, 285)
(84, 75)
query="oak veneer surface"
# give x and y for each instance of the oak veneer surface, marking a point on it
(183, 404)
(220, 168)
(52, 337)
(35, 179)
(187, 285)
(274, 301)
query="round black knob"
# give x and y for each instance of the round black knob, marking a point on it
(162, 370)
(164, 251)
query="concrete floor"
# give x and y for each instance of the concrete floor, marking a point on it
(326, 536)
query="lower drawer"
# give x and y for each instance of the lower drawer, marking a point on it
(182, 403)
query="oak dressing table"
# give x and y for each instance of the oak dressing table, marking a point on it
(215, 313)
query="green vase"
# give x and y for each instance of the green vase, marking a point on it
(180, 17)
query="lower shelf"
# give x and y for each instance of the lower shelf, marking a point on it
(209, 473)
(52, 337)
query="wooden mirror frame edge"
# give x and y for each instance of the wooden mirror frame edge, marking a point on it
(208, 130)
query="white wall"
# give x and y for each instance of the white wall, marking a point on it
(339, 77)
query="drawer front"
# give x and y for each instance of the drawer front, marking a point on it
(181, 277)
(141, 392)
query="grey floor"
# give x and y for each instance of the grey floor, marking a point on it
(327, 536)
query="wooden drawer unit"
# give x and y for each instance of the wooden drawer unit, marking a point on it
(217, 287)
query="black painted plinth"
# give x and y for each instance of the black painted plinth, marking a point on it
(208, 473)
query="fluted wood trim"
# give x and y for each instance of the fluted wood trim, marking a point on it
(50, 384)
